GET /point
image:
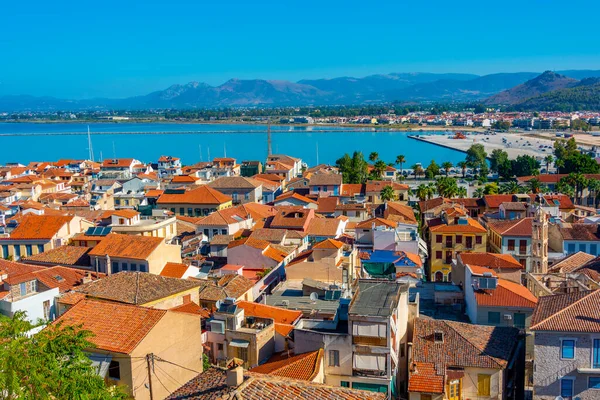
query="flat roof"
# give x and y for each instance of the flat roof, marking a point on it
(376, 297)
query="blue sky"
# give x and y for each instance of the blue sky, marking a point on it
(81, 49)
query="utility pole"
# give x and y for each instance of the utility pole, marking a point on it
(150, 363)
(269, 142)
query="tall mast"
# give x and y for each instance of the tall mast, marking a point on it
(90, 148)
(269, 142)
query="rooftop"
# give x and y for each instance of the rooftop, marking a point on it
(376, 297)
(126, 246)
(572, 312)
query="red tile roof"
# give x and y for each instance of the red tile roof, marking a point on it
(506, 294)
(278, 314)
(174, 270)
(39, 226)
(294, 195)
(192, 308)
(329, 244)
(368, 224)
(352, 189)
(494, 200)
(202, 195)
(305, 366)
(472, 226)
(424, 378)
(116, 327)
(491, 260)
(517, 227)
(573, 312)
(126, 246)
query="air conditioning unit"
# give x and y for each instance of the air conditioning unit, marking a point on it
(507, 317)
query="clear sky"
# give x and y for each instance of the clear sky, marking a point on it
(81, 49)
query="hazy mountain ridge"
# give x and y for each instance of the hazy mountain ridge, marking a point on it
(501, 88)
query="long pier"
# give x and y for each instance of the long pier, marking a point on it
(191, 132)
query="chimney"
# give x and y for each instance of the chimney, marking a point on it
(235, 377)
(87, 278)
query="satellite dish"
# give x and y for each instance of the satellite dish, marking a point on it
(559, 398)
(314, 296)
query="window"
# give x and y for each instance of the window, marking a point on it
(594, 382)
(215, 232)
(40, 248)
(522, 246)
(345, 384)
(206, 232)
(425, 396)
(483, 384)
(28, 250)
(334, 358)
(438, 337)
(478, 239)
(220, 346)
(519, 320)
(197, 212)
(46, 306)
(438, 238)
(181, 211)
(173, 210)
(511, 244)
(493, 317)
(247, 196)
(458, 239)
(571, 248)
(4, 251)
(115, 267)
(114, 370)
(143, 268)
(190, 212)
(566, 388)
(223, 231)
(594, 249)
(596, 354)
(123, 266)
(582, 247)
(567, 349)
(17, 252)
(134, 267)
(23, 288)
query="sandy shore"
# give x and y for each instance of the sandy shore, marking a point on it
(514, 144)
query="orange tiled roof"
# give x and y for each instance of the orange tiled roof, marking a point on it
(304, 366)
(174, 270)
(279, 315)
(116, 327)
(378, 222)
(324, 227)
(506, 294)
(571, 262)
(63, 255)
(294, 195)
(126, 246)
(572, 312)
(491, 260)
(329, 244)
(517, 227)
(192, 308)
(39, 226)
(472, 226)
(425, 379)
(284, 329)
(125, 213)
(202, 195)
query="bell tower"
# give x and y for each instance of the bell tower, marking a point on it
(539, 242)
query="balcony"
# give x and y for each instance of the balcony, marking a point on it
(369, 341)
(369, 373)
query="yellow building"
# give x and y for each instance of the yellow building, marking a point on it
(450, 235)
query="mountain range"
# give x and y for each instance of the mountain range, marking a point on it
(503, 88)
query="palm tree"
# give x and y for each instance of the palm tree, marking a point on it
(400, 160)
(594, 187)
(462, 192)
(463, 166)
(373, 156)
(387, 193)
(447, 166)
(511, 187)
(422, 192)
(548, 160)
(417, 170)
(534, 186)
(430, 190)
(379, 168)
(579, 183)
(559, 163)
(478, 192)
(563, 187)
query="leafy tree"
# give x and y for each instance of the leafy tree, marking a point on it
(353, 169)
(579, 182)
(462, 192)
(463, 166)
(423, 192)
(565, 188)
(400, 160)
(594, 187)
(447, 187)
(476, 158)
(563, 149)
(580, 125)
(479, 192)
(432, 170)
(447, 166)
(378, 169)
(501, 125)
(491, 188)
(373, 156)
(580, 164)
(387, 193)
(525, 165)
(500, 163)
(51, 364)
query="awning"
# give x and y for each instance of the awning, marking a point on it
(239, 343)
(100, 363)
(368, 329)
(370, 362)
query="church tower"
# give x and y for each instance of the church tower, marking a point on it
(539, 242)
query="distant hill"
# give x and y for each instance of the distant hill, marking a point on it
(584, 95)
(502, 88)
(546, 82)
(460, 90)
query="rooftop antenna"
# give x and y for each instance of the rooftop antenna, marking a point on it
(269, 142)
(90, 148)
(200, 151)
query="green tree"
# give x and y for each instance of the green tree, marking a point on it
(51, 364)
(594, 189)
(501, 125)
(373, 156)
(580, 164)
(379, 169)
(580, 125)
(446, 187)
(500, 163)
(534, 185)
(387, 193)
(477, 158)
(462, 192)
(525, 165)
(548, 160)
(400, 160)
(563, 149)
(479, 192)
(565, 188)
(417, 170)
(579, 182)
(463, 166)
(353, 169)
(511, 187)
(491, 188)
(447, 166)
(422, 192)
(432, 170)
